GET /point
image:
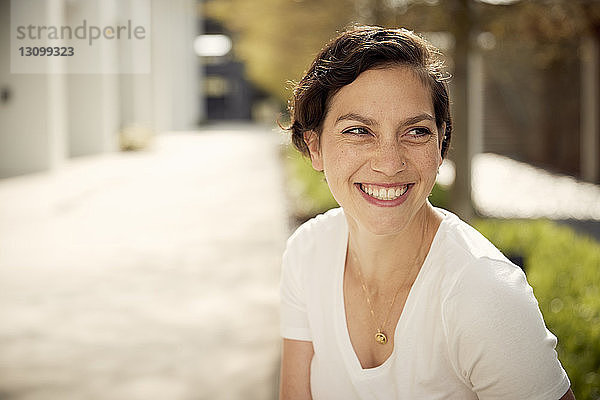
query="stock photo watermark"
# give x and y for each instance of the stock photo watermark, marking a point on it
(84, 36)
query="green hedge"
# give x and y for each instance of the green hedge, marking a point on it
(564, 270)
(307, 190)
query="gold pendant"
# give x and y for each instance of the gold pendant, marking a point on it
(380, 337)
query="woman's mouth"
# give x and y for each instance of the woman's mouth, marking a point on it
(386, 196)
(383, 193)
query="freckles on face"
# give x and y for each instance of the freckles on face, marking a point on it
(379, 145)
(383, 113)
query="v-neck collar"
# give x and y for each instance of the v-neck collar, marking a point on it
(347, 350)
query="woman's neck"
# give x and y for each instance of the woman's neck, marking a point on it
(395, 257)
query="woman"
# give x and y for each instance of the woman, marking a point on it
(388, 297)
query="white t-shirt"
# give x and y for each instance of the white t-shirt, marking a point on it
(470, 329)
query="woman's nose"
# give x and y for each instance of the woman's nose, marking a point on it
(388, 158)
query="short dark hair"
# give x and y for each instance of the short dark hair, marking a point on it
(354, 51)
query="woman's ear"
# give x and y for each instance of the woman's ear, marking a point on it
(311, 138)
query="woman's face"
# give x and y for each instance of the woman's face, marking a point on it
(379, 148)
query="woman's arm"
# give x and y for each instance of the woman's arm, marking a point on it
(568, 396)
(295, 370)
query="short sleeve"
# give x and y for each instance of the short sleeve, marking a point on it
(497, 340)
(294, 320)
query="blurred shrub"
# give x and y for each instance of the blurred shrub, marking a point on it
(135, 137)
(564, 271)
(307, 189)
(439, 196)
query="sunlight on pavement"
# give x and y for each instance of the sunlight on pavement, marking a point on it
(145, 275)
(505, 188)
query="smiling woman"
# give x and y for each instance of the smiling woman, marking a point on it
(388, 297)
(387, 144)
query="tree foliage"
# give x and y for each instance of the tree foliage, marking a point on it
(278, 38)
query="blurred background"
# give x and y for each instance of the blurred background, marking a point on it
(143, 216)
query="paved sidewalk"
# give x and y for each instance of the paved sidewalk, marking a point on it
(149, 275)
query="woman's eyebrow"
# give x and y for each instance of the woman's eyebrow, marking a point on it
(370, 121)
(417, 119)
(356, 117)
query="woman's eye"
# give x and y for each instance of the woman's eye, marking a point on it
(420, 134)
(417, 132)
(357, 131)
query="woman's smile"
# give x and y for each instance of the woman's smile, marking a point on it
(384, 195)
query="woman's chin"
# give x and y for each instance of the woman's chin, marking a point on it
(381, 226)
(382, 221)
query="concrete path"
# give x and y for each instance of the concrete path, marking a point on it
(149, 275)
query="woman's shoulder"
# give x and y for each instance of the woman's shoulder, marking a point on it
(483, 277)
(321, 229)
(316, 246)
(465, 241)
(496, 333)
(478, 268)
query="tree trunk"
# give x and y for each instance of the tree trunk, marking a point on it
(460, 196)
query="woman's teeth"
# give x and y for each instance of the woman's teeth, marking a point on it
(382, 193)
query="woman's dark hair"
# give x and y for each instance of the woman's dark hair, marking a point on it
(356, 50)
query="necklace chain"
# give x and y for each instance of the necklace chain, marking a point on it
(380, 336)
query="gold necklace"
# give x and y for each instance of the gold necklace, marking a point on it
(380, 336)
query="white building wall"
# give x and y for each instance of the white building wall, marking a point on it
(32, 120)
(93, 99)
(135, 90)
(175, 66)
(50, 117)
